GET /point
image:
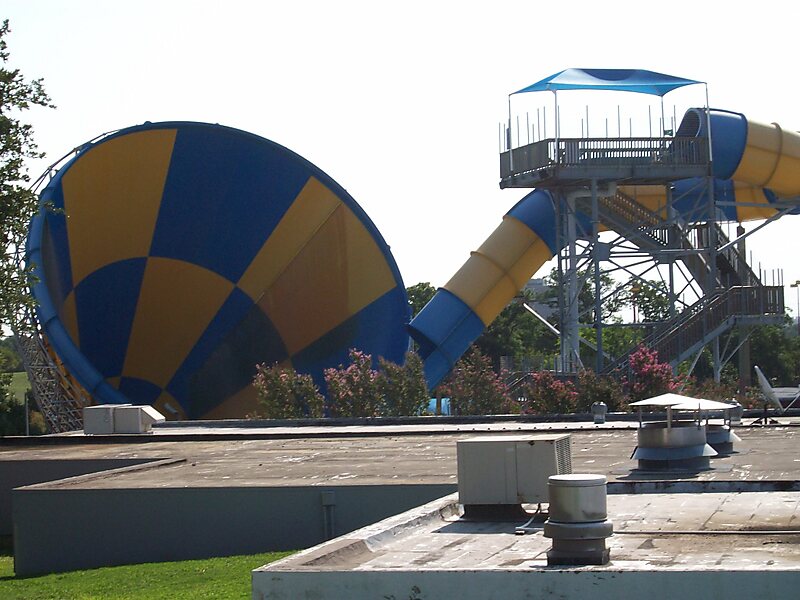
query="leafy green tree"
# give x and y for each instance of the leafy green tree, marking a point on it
(419, 295)
(516, 333)
(619, 340)
(612, 302)
(10, 360)
(777, 352)
(651, 299)
(17, 202)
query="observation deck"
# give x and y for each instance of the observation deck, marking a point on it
(632, 160)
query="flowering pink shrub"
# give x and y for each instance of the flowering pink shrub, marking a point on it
(353, 390)
(474, 388)
(547, 395)
(648, 376)
(402, 387)
(285, 394)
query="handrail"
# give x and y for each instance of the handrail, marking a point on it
(602, 152)
(633, 214)
(705, 316)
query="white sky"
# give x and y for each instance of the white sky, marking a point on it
(398, 102)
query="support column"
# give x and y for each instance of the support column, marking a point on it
(743, 354)
(598, 305)
(573, 290)
(563, 299)
(671, 217)
(712, 267)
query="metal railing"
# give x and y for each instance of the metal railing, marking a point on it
(730, 261)
(623, 211)
(626, 212)
(604, 152)
(706, 319)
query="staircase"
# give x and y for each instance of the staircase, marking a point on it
(650, 232)
(681, 337)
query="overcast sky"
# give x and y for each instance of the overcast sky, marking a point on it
(398, 102)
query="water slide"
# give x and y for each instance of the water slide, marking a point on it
(753, 163)
(182, 254)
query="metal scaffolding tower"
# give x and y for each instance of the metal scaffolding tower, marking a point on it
(711, 288)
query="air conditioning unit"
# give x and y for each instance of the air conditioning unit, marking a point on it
(510, 469)
(99, 419)
(136, 419)
(119, 418)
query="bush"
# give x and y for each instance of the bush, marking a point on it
(474, 388)
(402, 388)
(598, 388)
(547, 395)
(12, 412)
(286, 394)
(710, 389)
(649, 377)
(353, 390)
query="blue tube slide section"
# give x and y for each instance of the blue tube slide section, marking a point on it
(469, 302)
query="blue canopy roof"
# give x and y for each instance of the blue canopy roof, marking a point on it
(621, 80)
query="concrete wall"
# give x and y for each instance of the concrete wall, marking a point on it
(63, 529)
(561, 584)
(18, 473)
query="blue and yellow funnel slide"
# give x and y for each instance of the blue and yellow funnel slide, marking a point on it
(177, 256)
(754, 165)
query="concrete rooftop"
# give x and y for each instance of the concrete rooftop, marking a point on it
(371, 455)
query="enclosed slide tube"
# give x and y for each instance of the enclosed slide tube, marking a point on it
(493, 275)
(753, 163)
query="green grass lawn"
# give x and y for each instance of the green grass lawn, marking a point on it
(210, 578)
(20, 385)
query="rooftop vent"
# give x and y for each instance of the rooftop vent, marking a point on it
(578, 523)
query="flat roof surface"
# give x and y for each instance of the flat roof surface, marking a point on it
(397, 455)
(681, 532)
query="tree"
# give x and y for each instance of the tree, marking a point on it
(777, 353)
(612, 300)
(10, 360)
(17, 202)
(516, 333)
(651, 299)
(419, 295)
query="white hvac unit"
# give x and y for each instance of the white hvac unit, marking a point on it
(136, 419)
(510, 469)
(99, 419)
(119, 418)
